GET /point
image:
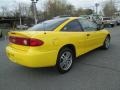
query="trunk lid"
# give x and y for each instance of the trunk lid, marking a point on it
(23, 34)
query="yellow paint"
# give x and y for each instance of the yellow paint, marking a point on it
(46, 55)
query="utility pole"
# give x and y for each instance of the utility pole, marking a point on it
(96, 5)
(20, 15)
(35, 10)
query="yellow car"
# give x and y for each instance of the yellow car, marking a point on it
(56, 42)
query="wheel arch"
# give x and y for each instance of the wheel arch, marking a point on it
(70, 46)
(109, 36)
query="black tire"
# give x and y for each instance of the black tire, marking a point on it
(118, 24)
(64, 62)
(1, 35)
(112, 25)
(106, 43)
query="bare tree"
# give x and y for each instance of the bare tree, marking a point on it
(58, 7)
(4, 9)
(109, 8)
(82, 11)
(21, 9)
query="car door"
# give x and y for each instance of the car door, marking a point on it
(76, 36)
(93, 36)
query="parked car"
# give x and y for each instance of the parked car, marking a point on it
(56, 42)
(0, 33)
(22, 27)
(94, 18)
(108, 21)
(61, 16)
(117, 20)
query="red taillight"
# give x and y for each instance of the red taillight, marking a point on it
(19, 40)
(25, 41)
(35, 42)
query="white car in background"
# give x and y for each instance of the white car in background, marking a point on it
(108, 21)
(0, 33)
(22, 27)
(117, 20)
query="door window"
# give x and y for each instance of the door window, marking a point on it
(88, 25)
(73, 26)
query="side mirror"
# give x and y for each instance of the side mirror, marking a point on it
(100, 26)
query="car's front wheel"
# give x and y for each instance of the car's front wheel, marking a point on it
(65, 60)
(106, 44)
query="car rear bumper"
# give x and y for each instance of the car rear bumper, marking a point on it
(33, 60)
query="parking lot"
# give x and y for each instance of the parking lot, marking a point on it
(97, 70)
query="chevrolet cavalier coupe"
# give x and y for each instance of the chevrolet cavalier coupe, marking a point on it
(56, 42)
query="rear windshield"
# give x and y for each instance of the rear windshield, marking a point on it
(48, 25)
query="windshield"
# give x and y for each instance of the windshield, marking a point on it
(48, 25)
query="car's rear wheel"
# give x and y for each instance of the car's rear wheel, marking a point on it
(106, 44)
(65, 60)
(112, 25)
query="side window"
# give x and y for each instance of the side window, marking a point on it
(92, 26)
(73, 26)
(88, 25)
(84, 24)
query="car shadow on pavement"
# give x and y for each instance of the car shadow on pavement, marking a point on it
(52, 71)
(92, 56)
(83, 57)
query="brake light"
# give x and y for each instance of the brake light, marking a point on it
(25, 41)
(35, 42)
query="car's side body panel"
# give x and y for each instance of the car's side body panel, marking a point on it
(94, 39)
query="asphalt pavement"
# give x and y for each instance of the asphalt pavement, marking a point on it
(96, 70)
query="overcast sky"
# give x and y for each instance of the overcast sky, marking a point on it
(76, 3)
